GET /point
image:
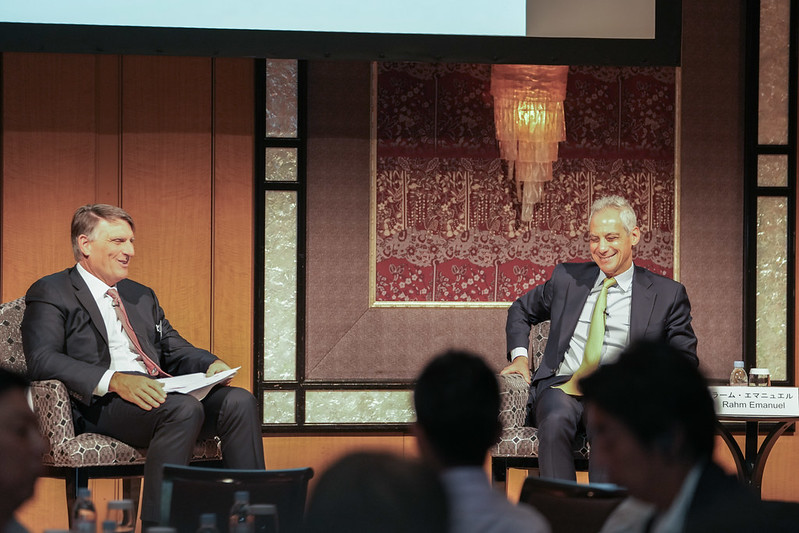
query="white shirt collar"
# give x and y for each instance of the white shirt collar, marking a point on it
(623, 281)
(97, 287)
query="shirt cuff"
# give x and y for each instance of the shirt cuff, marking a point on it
(102, 387)
(518, 352)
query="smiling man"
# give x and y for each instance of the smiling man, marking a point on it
(106, 337)
(595, 309)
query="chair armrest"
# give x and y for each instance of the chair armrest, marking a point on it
(53, 408)
(513, 395)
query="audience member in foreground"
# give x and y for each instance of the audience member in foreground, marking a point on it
(653, 427)
(21, 449)
(457, 410)
(371, 492)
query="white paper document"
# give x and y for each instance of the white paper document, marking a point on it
(196, 384)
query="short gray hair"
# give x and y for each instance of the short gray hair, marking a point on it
(85, 220)
(626, 213)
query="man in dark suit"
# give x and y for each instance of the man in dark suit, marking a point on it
(72, 331)
(653, 427)
(640, 305)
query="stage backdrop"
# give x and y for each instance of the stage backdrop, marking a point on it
(445, 218)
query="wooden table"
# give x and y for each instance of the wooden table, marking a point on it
(751, 462)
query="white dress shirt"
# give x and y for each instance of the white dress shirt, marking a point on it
(617, 324)
(124, 357)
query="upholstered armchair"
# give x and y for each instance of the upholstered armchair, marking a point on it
(518, 444)
(76, 458)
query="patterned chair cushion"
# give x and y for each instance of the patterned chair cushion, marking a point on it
(53, 408)
(12, 357)
(516, 439)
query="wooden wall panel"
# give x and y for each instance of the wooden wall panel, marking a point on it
(319, 452)
(48, 161)
(166, 184)
(232, 326)
(108, 159)
(136, 132)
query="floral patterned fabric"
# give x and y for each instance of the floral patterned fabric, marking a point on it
(447, 222)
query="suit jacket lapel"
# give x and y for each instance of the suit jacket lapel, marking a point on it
(86, 299)
(642, 303)
(576, 295)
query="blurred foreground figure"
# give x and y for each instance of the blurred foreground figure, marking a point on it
(457, 421)
(653, 426)
(372, 492)
(21, 449)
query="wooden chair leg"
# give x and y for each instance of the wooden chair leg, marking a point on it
(74, 480)
(499, 474)
(131, 490)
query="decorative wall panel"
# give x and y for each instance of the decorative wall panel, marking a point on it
(774, 62)
(281, 98)
(359, 407)
(446, 217)
(772, 283)
(280, 285)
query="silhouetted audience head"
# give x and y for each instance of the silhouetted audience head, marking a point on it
(21, 446)
(372, 492)
(457, 409)
(650, 412)
(660, 396)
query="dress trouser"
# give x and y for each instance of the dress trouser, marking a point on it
(560, 417)
(170, 431)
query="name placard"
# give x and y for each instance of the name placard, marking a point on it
(755, 401)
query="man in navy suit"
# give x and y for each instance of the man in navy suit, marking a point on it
(71, 332)
(640, 305)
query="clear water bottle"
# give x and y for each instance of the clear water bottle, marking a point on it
(241, 520)
(84, 515)
(738, 375)
(208, 523)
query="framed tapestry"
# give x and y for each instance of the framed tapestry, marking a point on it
(445, 217)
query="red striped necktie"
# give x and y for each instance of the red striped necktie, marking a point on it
(152, 368)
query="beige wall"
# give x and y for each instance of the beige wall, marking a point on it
(168, 139)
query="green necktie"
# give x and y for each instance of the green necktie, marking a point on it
(593, 345)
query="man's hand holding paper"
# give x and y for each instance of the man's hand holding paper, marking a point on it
(198, 384)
